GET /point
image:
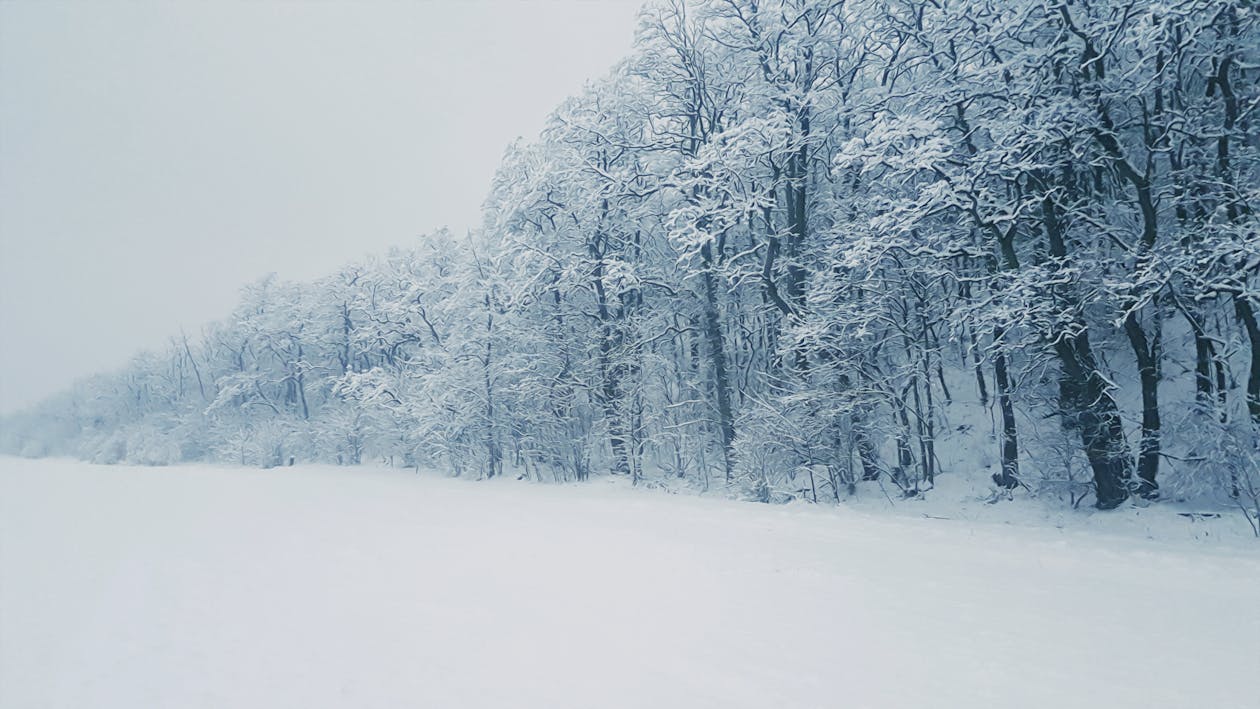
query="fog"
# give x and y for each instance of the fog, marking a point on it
(154, 158)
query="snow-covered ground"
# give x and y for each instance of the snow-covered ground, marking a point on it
(197, 586)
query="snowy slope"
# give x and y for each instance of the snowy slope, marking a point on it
(321, 587)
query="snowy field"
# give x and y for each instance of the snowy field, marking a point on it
(321, 587)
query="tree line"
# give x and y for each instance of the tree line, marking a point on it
(792, 246)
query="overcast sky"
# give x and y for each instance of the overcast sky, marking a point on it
(156, 157)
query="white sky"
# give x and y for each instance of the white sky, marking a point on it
(155, 157)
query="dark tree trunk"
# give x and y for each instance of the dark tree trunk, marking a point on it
(717, 355)
(1203, 388)
(1008, 478)
(867, 453)
(1085, 396)
(1247, 314)
(1089, 409)
(1146, 352)
(1148, 371)
(1235, 207)
(494, 455)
